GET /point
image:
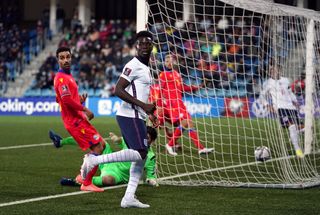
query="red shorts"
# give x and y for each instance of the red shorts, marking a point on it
(176, 111)
(85, 135)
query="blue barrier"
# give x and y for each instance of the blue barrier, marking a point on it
(41, 106)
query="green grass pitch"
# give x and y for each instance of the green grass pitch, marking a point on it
(34, 172)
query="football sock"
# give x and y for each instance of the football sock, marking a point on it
(136, 170)
(168, 133)
(97, 180)
(123, 155)
(68, 141)
(195, 139)
(294, 136)
(88, 180)
(176, 135)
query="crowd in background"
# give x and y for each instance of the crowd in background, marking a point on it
(222, 53)
(221, 56)
(99, 54)
(18, 45)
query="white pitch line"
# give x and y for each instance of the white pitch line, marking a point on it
(31, 145)
(25, 146)
(56, 196)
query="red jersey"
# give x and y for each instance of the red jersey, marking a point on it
(154, 93)
(172, 86)
(67, 96)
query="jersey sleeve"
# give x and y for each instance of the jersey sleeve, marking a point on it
(150, 165)
(128, 73)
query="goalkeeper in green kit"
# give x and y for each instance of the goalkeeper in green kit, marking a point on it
(112, 173)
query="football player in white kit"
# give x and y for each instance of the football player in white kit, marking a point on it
(276, 90)
(133, 88)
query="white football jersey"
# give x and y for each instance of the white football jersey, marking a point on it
(138, 74)
(279, 93)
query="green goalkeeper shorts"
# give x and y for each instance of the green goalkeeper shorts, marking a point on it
(119, 176)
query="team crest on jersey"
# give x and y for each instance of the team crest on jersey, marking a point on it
(64, 88)
(96, 136)
(127, 71)
(145, 142)
(61, 80)
(83, 131)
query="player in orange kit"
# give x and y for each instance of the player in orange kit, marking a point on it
(174, 110)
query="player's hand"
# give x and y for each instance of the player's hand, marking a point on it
(203, 85)
(149, 108)
(114, 138)
(88, 113)
(83, 97)
(154, 120)
(152, 182)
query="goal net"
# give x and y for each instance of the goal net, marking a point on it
(229, 48)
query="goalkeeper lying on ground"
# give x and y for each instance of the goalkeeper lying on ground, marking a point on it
(113, 173)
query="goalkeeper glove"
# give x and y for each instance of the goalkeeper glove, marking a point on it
(152, 182)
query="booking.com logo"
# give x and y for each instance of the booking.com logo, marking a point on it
(28, 107)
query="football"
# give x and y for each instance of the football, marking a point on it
(262, 153)
(235, 106)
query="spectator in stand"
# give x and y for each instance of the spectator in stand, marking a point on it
(3, 78)
(111, 72)
(107, 90)
(40, 36)
(60, 16)
(75, 23)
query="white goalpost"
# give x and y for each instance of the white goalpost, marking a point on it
(228, 47)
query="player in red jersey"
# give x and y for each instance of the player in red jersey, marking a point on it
(174, 110)
(155, 98)
(75, 116)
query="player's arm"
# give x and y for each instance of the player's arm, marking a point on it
(120, 91)
(294, 99)
(83, 97)
(190, 88)
(150, 168)
(118, 140)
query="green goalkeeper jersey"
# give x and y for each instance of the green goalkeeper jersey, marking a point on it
(121, 169)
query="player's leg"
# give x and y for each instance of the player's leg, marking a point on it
(87, 138)
(173, 117)
(134, 132)
(193, 134)
(55, 138)
(289, 119)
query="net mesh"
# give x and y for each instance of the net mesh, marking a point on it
(228, 49)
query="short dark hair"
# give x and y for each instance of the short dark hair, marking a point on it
(152, 132)
(62, 49)
(144, 34)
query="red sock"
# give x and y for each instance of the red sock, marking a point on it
(88, 180)
(176, 135)
(195, 139)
